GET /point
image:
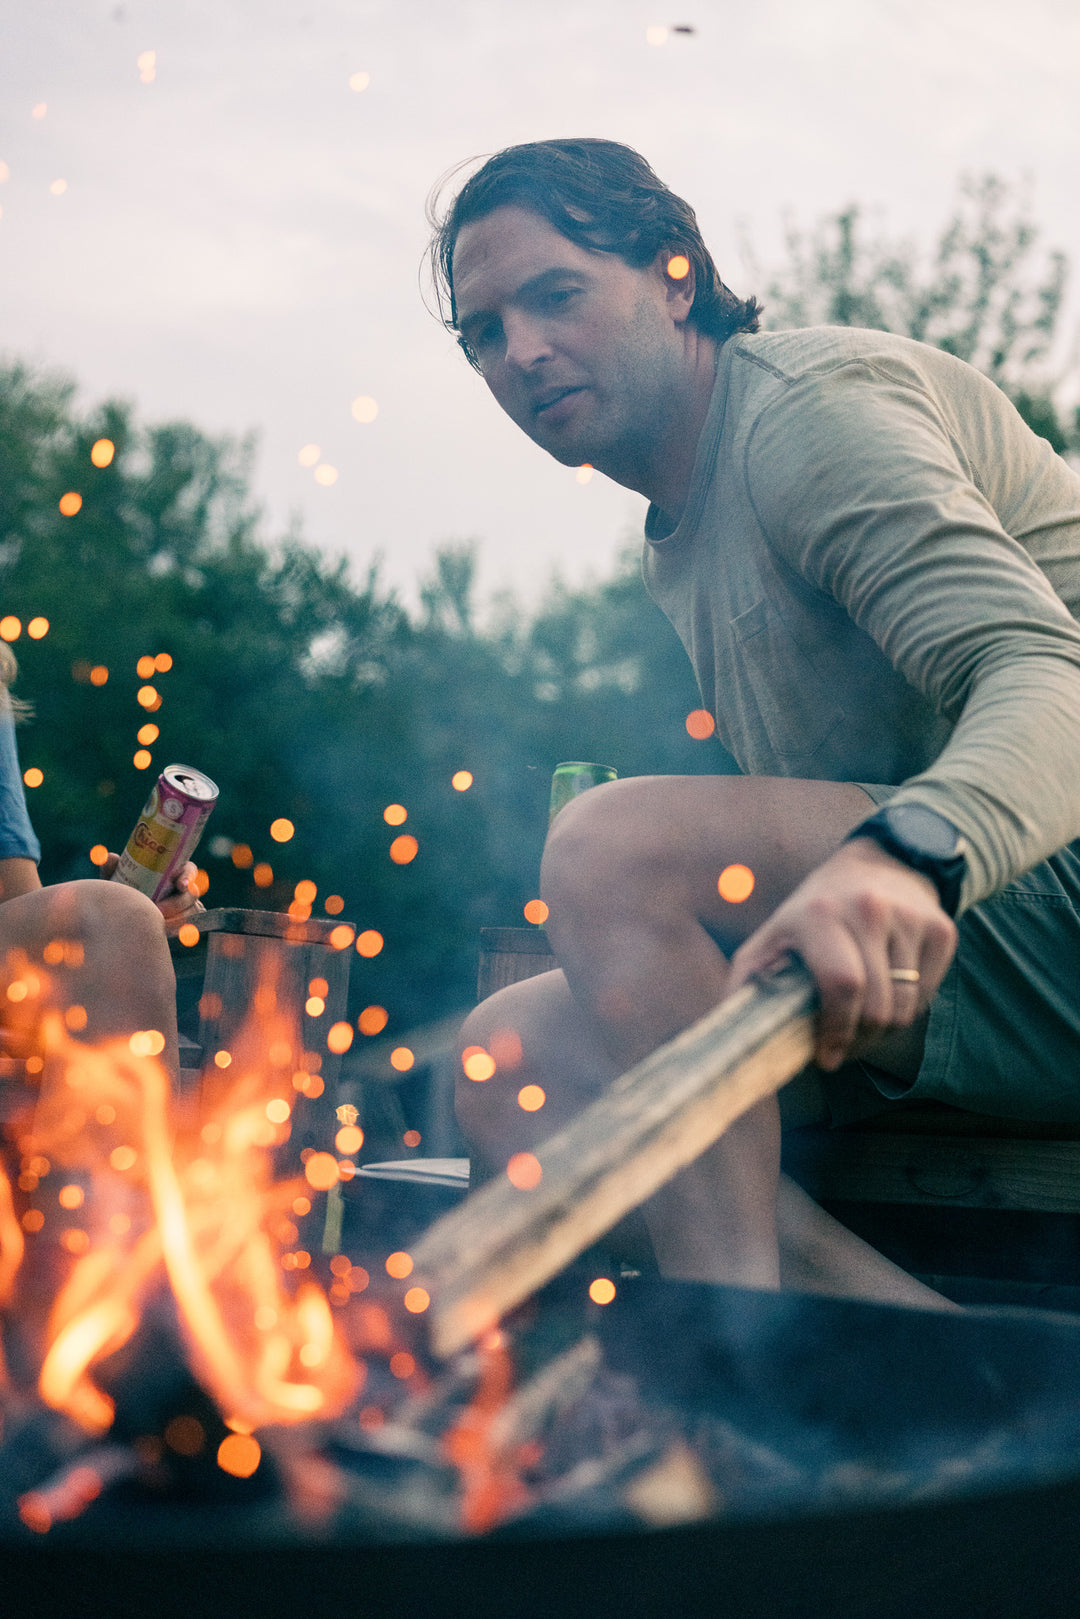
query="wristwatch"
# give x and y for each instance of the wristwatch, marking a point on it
(923, 840)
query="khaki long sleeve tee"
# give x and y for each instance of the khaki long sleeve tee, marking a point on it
(877, 578)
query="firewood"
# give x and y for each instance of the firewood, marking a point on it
(503, 1243)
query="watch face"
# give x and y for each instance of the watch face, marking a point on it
(925, 830)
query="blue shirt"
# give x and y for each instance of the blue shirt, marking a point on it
(17, 839)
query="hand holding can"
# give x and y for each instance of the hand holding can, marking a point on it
(166, 833)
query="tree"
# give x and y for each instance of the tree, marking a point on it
(982, 292)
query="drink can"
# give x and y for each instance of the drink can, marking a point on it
(574, 777)
(167, 831)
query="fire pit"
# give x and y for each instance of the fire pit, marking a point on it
(217, 1395)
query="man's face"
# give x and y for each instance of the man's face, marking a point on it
(577, 347)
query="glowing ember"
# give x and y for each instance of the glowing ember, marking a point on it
(523, 1171)
(700, 724)
(735, 884)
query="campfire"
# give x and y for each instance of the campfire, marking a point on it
(194, 1312)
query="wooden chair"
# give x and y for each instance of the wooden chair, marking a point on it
(984, 1209)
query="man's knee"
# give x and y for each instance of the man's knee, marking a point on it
(97, 912)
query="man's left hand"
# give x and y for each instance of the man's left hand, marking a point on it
(856, 918)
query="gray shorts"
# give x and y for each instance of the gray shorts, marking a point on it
(1004, 1030)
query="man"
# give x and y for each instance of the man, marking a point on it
(117, 965)
(874, 566)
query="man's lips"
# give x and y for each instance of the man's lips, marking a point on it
(548, 404)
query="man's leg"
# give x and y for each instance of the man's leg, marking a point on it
(630, 875)
(120, 970)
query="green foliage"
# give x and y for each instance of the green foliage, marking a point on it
(306, 696)
(982, 293)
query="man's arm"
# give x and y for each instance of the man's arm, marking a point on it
(859, 487)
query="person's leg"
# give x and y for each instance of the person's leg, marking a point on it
(119, 969)
(630, 876)
(543, 1040)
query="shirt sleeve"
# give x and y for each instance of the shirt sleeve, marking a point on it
(17, 839)
(857, 483)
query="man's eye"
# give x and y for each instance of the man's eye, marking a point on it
(561, 295)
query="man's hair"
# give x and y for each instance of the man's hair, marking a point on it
(601, 195)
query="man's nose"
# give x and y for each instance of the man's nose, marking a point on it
(526, 343)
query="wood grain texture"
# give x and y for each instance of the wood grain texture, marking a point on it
(957, 1171)
(503, 1243)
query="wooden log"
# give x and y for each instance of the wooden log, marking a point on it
(503, 1242)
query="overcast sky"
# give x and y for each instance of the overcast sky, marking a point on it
(238, 239)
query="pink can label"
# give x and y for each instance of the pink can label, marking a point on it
(167, 831)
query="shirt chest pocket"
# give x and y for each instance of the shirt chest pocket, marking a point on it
(786, 707)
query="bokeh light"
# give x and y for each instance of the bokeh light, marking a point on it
(372, 1020)
(416, 1300)
(189, 934)
(99, 854)
(239, 1454)
(325, 474)
(10, 627)
(524, 1171)
(241, 855)
(321, 1171)
(281, 830)
(395, 814)
(477, 1063)
(163, 662)
(531, 1098)
(148, 697)
(339, 1038)
(341, 937)
(263, 875)
(148, 733)
(359, 81)
(369, 943)
(602, 1290)
(309, 455)
(364, 409)
(399, 1265)
(70, 503)
(37, 628)
(735, 884)
(700, 724)
(58, 187)
(402, 1059)
(145, 668)
(333, 905)
(461, 781)
(33, 777)
(349, 1139)
(305, 891)
(99, 675)
(102, 451)
(536, 911)
(584, 473)
(141, 759)
(411, 1138)
(404, 849)
(678, 267)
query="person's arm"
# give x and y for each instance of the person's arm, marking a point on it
(859, 487)
(17, 876)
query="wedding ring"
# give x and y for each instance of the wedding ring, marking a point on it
(904, 975)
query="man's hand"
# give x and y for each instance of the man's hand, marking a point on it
(857, 916)
(180, 903)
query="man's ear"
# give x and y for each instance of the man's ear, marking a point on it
(676, 271)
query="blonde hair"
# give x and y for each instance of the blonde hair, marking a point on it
(9, 668)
